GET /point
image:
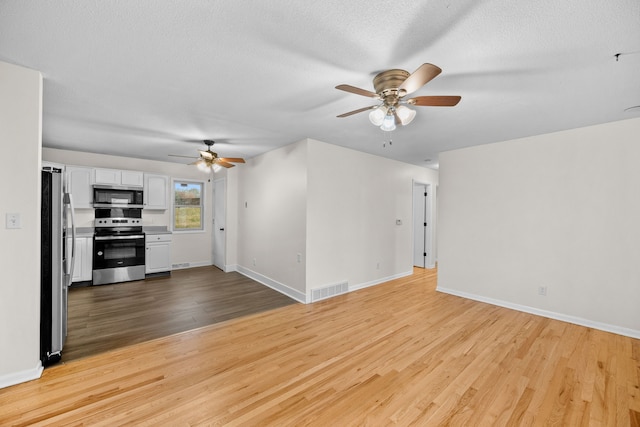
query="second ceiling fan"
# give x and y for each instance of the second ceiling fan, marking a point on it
(391, 87)
(210, 160)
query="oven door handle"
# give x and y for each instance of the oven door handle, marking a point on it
(140, 236)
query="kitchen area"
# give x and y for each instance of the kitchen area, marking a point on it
(118, 247)
(181, 290)
(95, 235)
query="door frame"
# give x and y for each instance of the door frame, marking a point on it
(430, 219)
(219, 199)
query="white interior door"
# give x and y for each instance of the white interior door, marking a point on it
(219, 223)
(422, 226)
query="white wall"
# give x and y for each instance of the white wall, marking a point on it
(272, 194)
(560, 210)
(353, 203)
(339, 215)
(194, 248)
(20, 136)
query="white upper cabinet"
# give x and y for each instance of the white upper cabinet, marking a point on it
(79, 181)
(132, 178)
(107, 176)
(118, 177)
(156, 191)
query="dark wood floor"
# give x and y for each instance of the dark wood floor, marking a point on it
(106, 317)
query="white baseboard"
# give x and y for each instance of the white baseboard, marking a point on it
(381, 280)
(301, 296)
(21, 377)
(633, 333)
(228, 268)
(283, 289)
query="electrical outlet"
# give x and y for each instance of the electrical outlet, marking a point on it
(378, 266)
(299, 257)
(542, 290)
(12, 220)
(254, 262)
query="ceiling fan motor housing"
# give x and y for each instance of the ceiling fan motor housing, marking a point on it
(386, 85)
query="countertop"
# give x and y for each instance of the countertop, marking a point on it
(84, 231)
(155, 229)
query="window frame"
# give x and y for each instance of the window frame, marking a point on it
(202, 184)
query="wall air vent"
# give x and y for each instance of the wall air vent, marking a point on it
(181, 265)
(329, 291)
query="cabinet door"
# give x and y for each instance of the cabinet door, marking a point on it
(158, 257)
(132, 178)
(107, 176)
(155, 191)
(87, 259)
(78, 264)
(79, 181)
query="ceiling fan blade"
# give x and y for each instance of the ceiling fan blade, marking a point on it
(358, 111)
(357, 91)
(223, 163)
(420, 77)
(434, 101)
(231, 159)
(177, 155)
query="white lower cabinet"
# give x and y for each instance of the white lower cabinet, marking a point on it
(83, 265)
(158, 255)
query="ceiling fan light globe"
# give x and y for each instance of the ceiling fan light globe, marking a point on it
(216, 167)
(202, 165)
(389, 123)
(377, 116)
(405, 114)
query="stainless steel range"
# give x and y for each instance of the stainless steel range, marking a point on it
(118, 246)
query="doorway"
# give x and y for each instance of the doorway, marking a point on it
(422, 226)
(218, 234)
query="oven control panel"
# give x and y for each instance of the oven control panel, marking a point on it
(117, 222)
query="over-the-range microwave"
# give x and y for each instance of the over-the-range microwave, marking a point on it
(107, 196)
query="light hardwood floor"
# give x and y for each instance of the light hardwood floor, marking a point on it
(397, 353)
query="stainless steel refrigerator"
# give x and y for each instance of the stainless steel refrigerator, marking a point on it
(57, 258)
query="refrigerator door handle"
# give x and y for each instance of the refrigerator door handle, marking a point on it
(68, 199)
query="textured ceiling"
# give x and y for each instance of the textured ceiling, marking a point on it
(148, 78)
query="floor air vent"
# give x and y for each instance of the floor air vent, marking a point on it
(329, 291)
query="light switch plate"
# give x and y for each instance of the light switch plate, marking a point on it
(12, 220)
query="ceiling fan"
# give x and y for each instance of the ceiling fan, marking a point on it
(391, 86)
(210, 160)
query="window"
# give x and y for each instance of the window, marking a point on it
(188, 207)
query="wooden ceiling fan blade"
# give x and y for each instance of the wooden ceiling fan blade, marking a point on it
(420, 77)
(357, 91)
(231, 159)
(350, 113)
(223, 163)
(435, 101)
